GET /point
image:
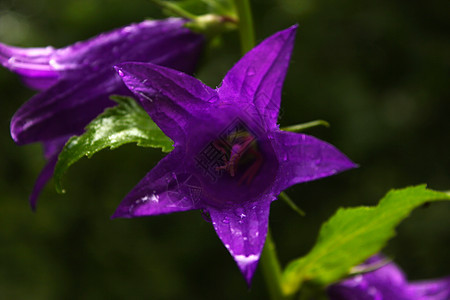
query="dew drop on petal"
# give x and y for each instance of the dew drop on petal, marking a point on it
(154, 198)
(226, 220)
(121, 74)
(251, 71)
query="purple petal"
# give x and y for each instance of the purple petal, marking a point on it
(86, 74)
(431, 289)
(304, 158)
(31, 64)
(171, 98)
(257, 78)
(51, 152)
(243, 231)
(157, 41)
(387, 282)
(165, 189)
(41, 181)
(65, 108)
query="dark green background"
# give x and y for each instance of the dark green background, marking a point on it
(378, 71)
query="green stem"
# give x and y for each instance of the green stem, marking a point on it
(272, 270)
(246, 32)
(304, 126)
(269, 261)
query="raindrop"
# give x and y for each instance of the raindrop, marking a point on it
(154, 198)
(251, 71)
(121, 73)
(226, 220)
(242, 216)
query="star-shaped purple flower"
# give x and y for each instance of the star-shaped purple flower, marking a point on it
(230, 157)
(76, 81)
(388, 283)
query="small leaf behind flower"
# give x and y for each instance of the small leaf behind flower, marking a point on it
(354, 234)
(122, 124)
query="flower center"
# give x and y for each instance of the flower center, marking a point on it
(241, 156)
(237, 165)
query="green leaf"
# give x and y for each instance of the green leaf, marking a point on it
(122, 124)
(354, 234)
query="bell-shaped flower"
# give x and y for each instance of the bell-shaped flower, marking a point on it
(76, 81)
(388, 282)
(230, 158)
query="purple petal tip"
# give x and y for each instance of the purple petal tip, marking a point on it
(247, 265)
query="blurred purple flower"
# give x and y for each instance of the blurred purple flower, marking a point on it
(230, 158)
(76, 81)
(388, 283)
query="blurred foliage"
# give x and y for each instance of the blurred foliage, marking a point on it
(377, 71)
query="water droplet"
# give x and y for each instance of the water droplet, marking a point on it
(251, 71)
(121, 73)
(226, 220)
(154, 198)
(242, 215)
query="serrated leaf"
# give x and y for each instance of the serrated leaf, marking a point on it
(354, 234)
(122, 124)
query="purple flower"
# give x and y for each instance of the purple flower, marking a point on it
(76, 81)
(230, 157)
(388, 283)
